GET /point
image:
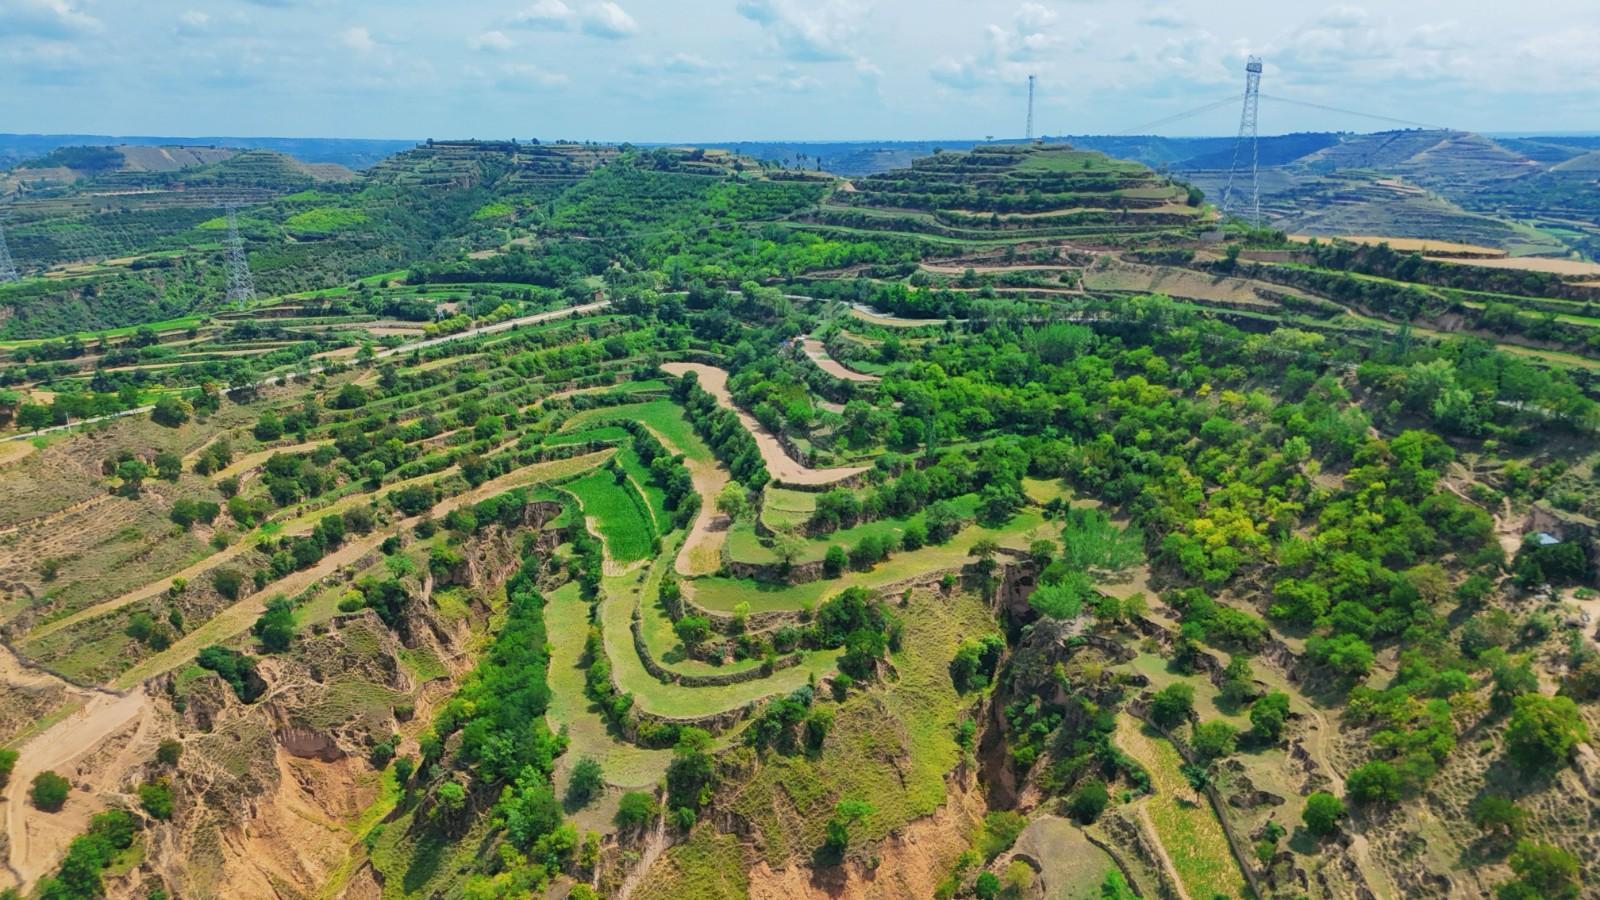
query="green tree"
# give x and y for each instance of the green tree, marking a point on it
(1543, 871)
(636, 810)
(845, 814)
(731, 501)
(1543, 730)
(156, 798)
(171, 411)
(8, 762)
(169, 465)
(1088, 801)
(1213, 740)
(1322, 813)
(1172, 705)
(452, 799)
(587, 781)
(1373, 782)
(49, 791)
(275, 628)
(1498, 814)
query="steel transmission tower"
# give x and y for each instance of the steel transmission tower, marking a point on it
(1247, 132)
(241, 284)
(1030, 108)
(8, 268)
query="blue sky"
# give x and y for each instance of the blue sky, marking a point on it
(680, 70)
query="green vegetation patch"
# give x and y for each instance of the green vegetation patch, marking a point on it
(891, 744)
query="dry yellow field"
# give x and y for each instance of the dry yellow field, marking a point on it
(1407, 245)
(1531, 264)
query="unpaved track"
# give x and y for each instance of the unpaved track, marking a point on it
(701, 553)
(819, 355)
(38, 838)
(996, 270)
(779, 464)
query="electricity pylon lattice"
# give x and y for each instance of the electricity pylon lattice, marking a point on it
(241, 284)
(1247, 132)
(1030, 108)
(8, 268)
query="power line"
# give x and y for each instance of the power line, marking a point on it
(1248, 132)
(1145, 128)
(1352, 112)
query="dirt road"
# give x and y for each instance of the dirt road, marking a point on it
(37, 838)
(819, 355)
(779, 464)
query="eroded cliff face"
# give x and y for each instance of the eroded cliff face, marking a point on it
(272, 796)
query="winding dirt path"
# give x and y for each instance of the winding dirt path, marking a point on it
(780, 465)
(36, 839)
(1149, 829)
(701, 552)
(819, 355)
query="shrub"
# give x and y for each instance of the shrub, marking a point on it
(49, 791)
(1088, 801)
(588, 780)
(227, 582)
(1373, 782)
(1267, 716)
(156, 798)
(1322, 813)
(636, 810)
(8, 762)
(1172, 705)
(1213, 740)
(1543, 872)
(1543, 730)
(169, 752)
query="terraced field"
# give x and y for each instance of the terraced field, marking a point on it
(652, 522)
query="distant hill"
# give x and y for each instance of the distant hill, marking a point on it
(353, 153)
(1528, 195)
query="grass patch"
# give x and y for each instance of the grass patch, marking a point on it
(664, 417)
(891, 744)
(620, 515)
(723, 594)
(566, 617)
(1183, 820)
(708, 866)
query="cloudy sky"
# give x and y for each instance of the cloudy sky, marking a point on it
(679, 70)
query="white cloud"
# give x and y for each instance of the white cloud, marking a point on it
(608, 20)
(549, 15)
(821, 31)
(358, 39)
(1008, 51)
(193, 22)
(603, 19)
(491, 41)
(1165, 17)
(1562, 59)
(521, 75)
(47, 18)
